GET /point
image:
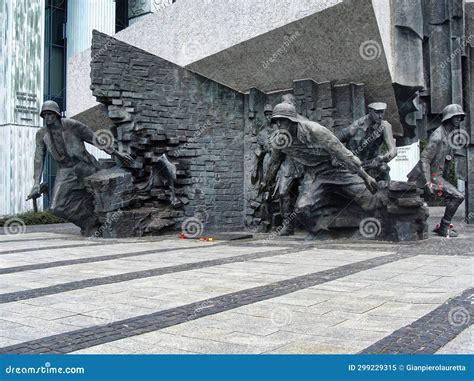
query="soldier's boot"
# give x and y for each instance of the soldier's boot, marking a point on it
(452, 205)
(445, 229)
(288, 226)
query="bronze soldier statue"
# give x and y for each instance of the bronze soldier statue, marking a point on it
(64, 139)
(263, 150)
(314, 146)
(288, 177)
(370, 138)
(434, 167)
(263, 160)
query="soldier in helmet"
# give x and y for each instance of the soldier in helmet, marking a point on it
(314, 146)
(64, 139)
(287, 180)
(434, 167)
(370, 138)
(262, 152)
(263, 160)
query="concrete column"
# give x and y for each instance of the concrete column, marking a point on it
(21, 94)
(84, 16)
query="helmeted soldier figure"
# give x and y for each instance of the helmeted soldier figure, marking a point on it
(64, 139)
(370, 138)
(434, 167)
(314, 146)
(263, 160)
(263, 150)
(287, 180)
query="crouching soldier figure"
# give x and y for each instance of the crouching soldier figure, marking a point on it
(434, 167)
(314, 146)
(64, 139)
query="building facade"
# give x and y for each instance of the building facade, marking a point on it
(37, 38)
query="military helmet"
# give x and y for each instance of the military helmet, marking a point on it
(267, 108)
(452, 110)
(285, 110)
(50, 106)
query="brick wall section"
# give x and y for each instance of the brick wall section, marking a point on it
(159, 107)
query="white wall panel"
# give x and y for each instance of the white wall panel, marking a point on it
(406, 159)
(21, 94)
(17, 149)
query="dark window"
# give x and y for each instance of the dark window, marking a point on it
(54, 70)
(121, 15)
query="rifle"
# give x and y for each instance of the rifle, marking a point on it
(43, 190)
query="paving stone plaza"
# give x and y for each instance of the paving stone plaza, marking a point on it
(62, 293)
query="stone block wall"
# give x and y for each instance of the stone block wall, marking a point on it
(159, 107)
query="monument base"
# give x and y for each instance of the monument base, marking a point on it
(138, 222)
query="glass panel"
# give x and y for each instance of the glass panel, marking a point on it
(57, 71)
(57, 27)
(60, 3)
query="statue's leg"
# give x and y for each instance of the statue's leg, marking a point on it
(454, 199)
(361, 196)
(307, 208)
(72, 202)
(286, 207)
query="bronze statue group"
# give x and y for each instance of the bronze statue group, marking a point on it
(351, 163)
(292, 152)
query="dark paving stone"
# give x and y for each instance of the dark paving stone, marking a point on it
(77, 285)
(65, 228)
(74, 340)
(432, 331)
